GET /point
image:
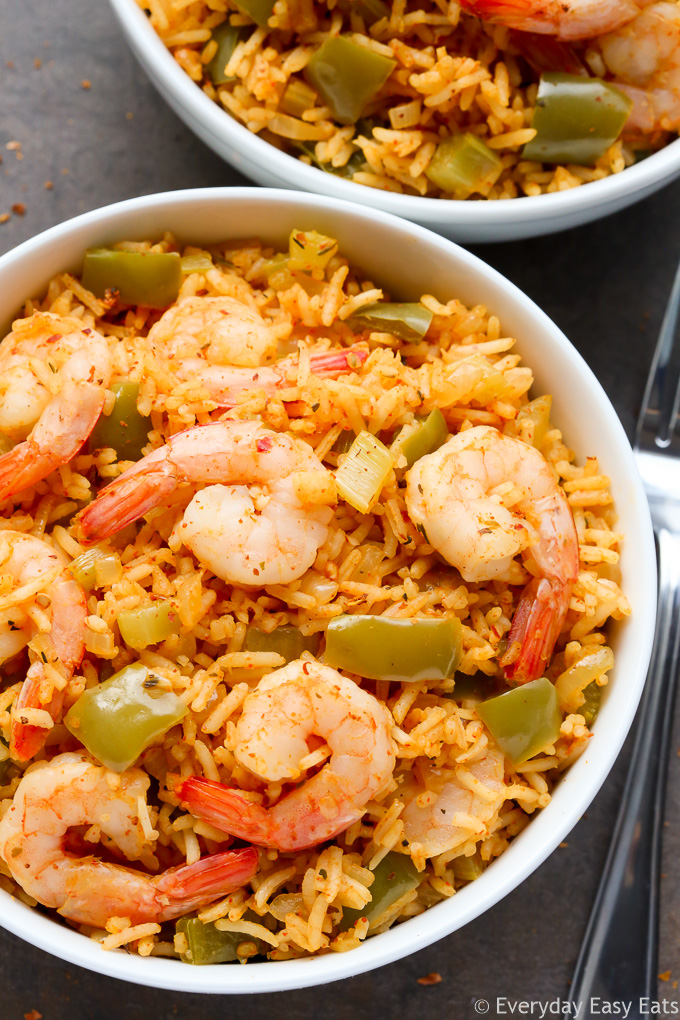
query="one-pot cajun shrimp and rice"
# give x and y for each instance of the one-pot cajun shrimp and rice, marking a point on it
(448, 99)
(303, 600)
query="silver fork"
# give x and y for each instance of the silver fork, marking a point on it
(619, 955)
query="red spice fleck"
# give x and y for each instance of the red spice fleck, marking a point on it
(430, 979)
(264, 444)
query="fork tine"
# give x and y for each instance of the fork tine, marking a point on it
(661, 401)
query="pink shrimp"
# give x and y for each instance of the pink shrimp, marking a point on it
(482, 499)
(289, 706)
(37, 568)
(227, 347)
(52, 414)
(270, 539)
(566, 19)
(73, 790)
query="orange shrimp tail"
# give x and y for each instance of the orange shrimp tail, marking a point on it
(193, 885)
(27, 740)
(513, 13)
(225, 808)
(536, 627)
(56, 439)
(125, 500)
(334, 363)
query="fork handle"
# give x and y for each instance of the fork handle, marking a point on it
(618, 957)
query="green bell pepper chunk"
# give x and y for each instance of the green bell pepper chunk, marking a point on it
(148, 625)
(118, 719)
(286, 641)
(428, 436)
(125, 429)
(149, 278)
(383, 648)
(523, 721)
(347, 76)
(463, 165)
(467, 869)
(576, 119)
(208, 945)
(227, 38)
(297, 98)
(395, 875)
(259, 10)
(592, 698)
(407, 320)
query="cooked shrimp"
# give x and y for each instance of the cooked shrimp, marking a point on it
(460, 806)
(222, 330)
(73, 790)
(268, 536)
(644, 60)
(53, 375)
(34, 567)
(566, 19)
(302, 700)
(227, 347)
(456, 496)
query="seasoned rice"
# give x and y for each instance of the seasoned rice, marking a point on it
(374, 563)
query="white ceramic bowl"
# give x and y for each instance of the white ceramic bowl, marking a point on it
(409, 261)
(461, 221)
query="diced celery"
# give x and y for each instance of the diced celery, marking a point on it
(125, 430)
(147, 278)
(384, 648)
(594, 662)
(297, 98)
(395, 875)
(149, 624)
(464, 165)
(347, 76)
(198, 263)
(286, 641)
(535, 414)
(524, 721)
(87, 567)
(227, 38)
(6, 444)
(363, 472)
(407, 320)
(120, 717)
(310, 250)
(424, 438)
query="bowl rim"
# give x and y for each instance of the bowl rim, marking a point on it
(642, 177)
(546, 831)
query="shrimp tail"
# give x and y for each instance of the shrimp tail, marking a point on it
(26, 739)
(61, 432)
(331, 364)
(227, 809)
(194, 885)
(126, 499)
(536, 627)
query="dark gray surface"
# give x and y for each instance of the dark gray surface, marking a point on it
(604, 284)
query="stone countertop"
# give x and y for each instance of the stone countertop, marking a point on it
(92, 130)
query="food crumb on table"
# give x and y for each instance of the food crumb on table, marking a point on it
(19, 208)
(4, 217)
(665, 975)
(86, 84)
(33, 1014)
(48, 185)
(430, 979)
